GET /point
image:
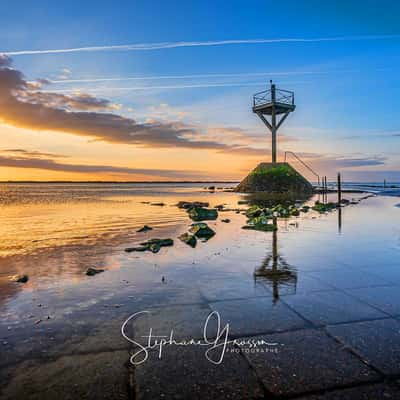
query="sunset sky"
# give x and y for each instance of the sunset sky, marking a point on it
(162, 90)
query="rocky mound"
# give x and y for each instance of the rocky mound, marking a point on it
(275, 178)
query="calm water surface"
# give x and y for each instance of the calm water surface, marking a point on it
(53, 233)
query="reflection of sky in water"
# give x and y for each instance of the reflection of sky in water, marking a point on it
(54, 243)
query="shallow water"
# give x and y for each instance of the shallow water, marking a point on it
(53, 233)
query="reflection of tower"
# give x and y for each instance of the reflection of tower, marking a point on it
(276, 272)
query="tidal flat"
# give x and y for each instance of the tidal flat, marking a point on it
(323, 287)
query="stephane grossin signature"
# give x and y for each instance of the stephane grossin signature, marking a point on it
(216, 345)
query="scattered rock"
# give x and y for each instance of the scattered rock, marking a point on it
(324, 207)
(93, 271)
(158, 204)
(161, 242)
(226, 220)
(191, 204)
(254, 211)
(202, 214)
(153, 245)
(20, 278)
(138, 248)
(219, 207)
(202, 231)
(188, 239)
(243, 202)
(260, 224)
(145, 228)
(211, 188)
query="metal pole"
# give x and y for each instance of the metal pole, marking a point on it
(273, 123)
(339, 188)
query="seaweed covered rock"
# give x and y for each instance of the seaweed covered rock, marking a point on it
(275, 178)
(202, 231)
(153, 245)
(188, 239)
(324, 207)
(191, 204)
(260, 224)
(202, 214)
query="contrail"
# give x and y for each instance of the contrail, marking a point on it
(195, 76)
(110, 89)
(172, 45)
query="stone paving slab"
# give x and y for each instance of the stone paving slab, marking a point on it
(185, 373)
(331, 307)
(350, 278)
(224, 289)
(377, 342)
(307, 360)
(379, 391)
(258, 315)
(305, 283)
(385, 298)
(83, 377)
(186, 321)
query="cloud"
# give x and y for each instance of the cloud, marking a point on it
(172, 45)
(38, 160)
(164, 87)
(31, 153)
(5, 61)
(23, 107)
(198, 76)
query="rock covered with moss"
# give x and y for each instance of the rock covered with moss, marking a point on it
(275, 178)
(189, 239)
(324, 207)
(202, 214)
(153, 245)
(202, 231)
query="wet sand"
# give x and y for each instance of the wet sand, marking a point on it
(325, 288)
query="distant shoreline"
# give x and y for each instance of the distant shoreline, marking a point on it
(123, 182)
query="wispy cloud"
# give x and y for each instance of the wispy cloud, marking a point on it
(20, 158)
(196, 76)
(172, 45)
(161, 87)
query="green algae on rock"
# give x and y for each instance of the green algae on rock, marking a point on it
(202, 231)
(275, 178)
(202, 214)
(152, 245)
(188, 239)
(260, 224)
(191, 204)
(324, 207)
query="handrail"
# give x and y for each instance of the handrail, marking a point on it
(281, 96)
(308, 167)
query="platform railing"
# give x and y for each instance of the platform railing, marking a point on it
(303, 163)
(281, 96)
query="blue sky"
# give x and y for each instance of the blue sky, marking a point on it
(347, 89)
